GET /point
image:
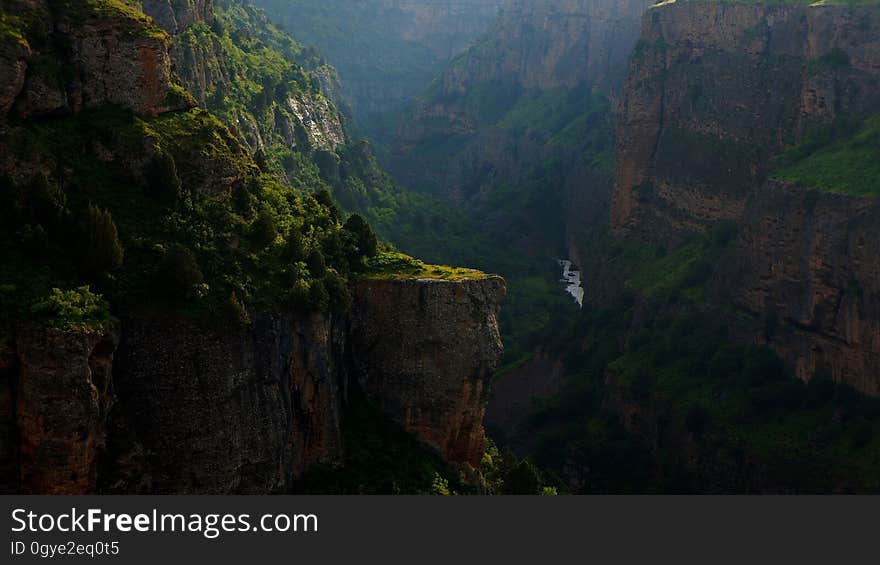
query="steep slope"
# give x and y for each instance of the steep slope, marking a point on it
(536, 71)
(175, 315)
(387, 51)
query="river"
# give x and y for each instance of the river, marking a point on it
(572, 280)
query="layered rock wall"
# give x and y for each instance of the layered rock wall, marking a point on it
(425, 351)
(716, 89)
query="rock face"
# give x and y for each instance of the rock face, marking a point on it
(715, 89)
(112, 57)
(534, 48)
(229, 412)
(176, 15)
(63, 394)
(547, 44)
(206, 69)
(424, 351)
(182, 408)
(808, 260)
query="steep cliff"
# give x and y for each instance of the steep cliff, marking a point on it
(173, 315)
(716, 89)
(716, 92)
(425, 351)
(806, 261)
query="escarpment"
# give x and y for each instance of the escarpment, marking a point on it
(425, 351)
(806, 265)
(716, 89)
(716, 93)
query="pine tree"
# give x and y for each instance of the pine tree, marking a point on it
(101, 249)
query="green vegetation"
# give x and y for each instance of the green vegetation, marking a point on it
(77, 310)
(391, 265)
(658, 400)
(382, 458)
(841, 157)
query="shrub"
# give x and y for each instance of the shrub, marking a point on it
(179, 275)
(264, 230)
(162, 179)
(76, 310)
(101, 248)
(325, 199)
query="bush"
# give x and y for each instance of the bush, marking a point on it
(162, 179)
(325, 199)
(101, 248)
(264, 230)
(179, 275)
(77, 310)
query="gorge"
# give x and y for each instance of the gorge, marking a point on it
(238, 326)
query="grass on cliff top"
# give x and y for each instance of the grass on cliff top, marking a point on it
(843, 157)
(391, 265)
(79, 10)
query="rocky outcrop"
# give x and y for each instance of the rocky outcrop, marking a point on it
(303, 119)
(63, 395)
(424, 352)
(113, 56)
(715, 89)
(806, 262)
(176, 15)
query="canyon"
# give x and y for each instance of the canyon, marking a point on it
(708, 166)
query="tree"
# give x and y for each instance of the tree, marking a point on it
(235, 311)
(179, 274)
(101, 248)
(315, 262)
(162, 179)
(365, 238)
(264, 230)
(295, 246)
(325, 199)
